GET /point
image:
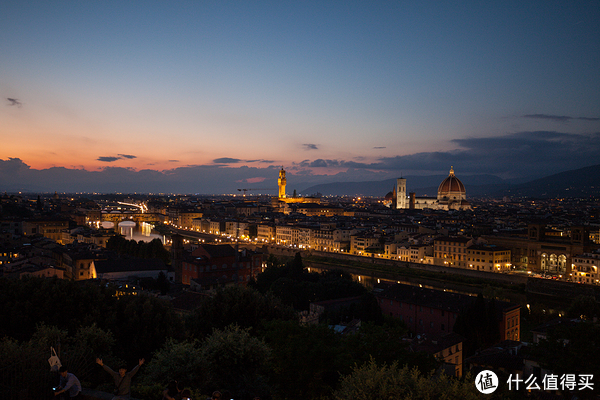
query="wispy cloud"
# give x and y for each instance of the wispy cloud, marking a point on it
(230, 160)
(310, 146)
(559, 118)
(117, 157)
(173, 160)
(379, 147)
(320, 163)
(14, 102)
(226, 160)
(108, 159)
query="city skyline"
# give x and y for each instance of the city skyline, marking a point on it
(331, 91)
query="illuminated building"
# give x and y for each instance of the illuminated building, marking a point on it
(452, 251)
(282, 199)
(490, 258)
(281, 182)
(451, 196)
(585, 268)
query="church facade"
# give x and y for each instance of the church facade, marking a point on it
(451, 196)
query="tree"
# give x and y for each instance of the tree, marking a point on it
(571, 348)
(181, 361)
(366, 309)
(584, 307)
(142, 324)
(371, 381)
(162, 283)
(141, 249)
(383, 344)
(478, 324)
(236, 361)
(295, 286)
(99, 341)
(306, 360)
(243, 306)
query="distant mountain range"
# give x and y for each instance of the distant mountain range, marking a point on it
(581, 182)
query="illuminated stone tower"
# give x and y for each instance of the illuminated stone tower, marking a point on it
(401, 200)
(281, 182)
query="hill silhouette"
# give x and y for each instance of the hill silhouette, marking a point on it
(582, 182)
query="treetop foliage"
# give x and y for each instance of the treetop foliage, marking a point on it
(294, 285)
(371, 381)
(141, 249)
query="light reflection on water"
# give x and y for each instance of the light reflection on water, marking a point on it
(143, 231)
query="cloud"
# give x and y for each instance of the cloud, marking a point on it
(173, 160)
(226, 160)
(558, 118)
(523, 154)
(379, 147)
(14, 102)
(115, 158)
(320, 163)
(260, 161)
(108, 159)
(310, 146)
(13, 166)
(256, 180)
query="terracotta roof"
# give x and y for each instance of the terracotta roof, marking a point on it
(451, 184)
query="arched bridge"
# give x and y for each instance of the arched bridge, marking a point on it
(134, 217)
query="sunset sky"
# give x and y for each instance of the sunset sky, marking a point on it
(338, 90)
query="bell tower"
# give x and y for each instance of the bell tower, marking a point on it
(401, 200)
(281, 182)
